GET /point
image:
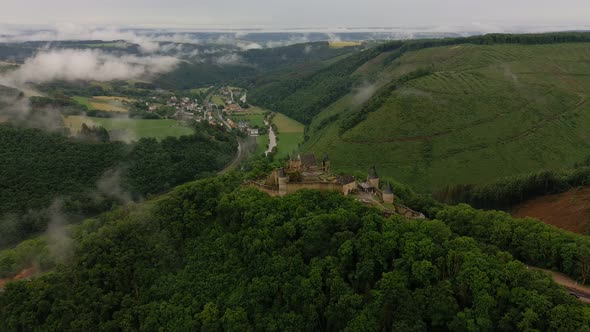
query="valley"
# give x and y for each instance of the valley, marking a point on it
(329, 184)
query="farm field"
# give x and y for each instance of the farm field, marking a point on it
(131, 129)
(253, 115)
(482, 113)
(340, 44)
(290, 134)
(569, 210)
(104, 103)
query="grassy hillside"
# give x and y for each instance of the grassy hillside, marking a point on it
(475, 113)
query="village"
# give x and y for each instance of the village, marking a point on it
(215, 108)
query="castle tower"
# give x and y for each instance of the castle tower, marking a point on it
(388, 194)
(373, 178)
(283, 182)
(295, 163)
(326, 164)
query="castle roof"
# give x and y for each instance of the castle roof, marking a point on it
(373, 173)
(388, 189)
(345, 179)
(308, 160)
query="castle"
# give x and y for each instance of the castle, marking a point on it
(305, 172)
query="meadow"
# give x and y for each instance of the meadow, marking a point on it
(131, 129)
(253, 115)
(104, 103)
(484, 112)
(290, 134)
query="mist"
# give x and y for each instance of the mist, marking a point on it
(88, 65)
(364, 92)
(58, 239)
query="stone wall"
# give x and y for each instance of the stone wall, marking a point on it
(322, 186)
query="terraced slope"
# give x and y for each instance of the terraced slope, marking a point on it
(476, 113)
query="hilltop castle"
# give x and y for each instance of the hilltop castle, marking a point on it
(305, 172)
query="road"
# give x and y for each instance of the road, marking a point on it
(244, 145)
(580, 291)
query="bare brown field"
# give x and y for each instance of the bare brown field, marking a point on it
(109, 98)
(568, 210)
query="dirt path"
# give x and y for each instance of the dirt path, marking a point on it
(26, 273)
(580, 291)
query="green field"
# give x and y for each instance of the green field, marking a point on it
(483, 113)
(84, 101)
(290, 134)
(131, 129)
(253, 115)
(262, 144)
(104, 103)
(218, 100)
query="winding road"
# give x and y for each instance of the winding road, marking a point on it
(579, 291)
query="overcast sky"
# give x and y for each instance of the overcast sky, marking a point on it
(296, 13)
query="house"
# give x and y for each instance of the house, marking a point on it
(253, 131)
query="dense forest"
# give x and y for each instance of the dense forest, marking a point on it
(210, 257)
(306, 96)
(37, 167)
(251, 66)
(507, 192)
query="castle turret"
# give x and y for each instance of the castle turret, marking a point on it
(326, 164)
(373, 178)
(283, 182)
(388, 194)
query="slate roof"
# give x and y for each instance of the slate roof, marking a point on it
(388, 189)
(373, 173)
(345, 179)
(308, 160)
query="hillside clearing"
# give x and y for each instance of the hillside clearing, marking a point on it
(569, 210)
(341, 44)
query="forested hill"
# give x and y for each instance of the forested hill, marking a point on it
(37, 168)
(434, 113)
(210, 257)
(254, 66)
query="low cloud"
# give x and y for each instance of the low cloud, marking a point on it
(17, 109)
(110, 185)
(88, 65)
(58, 239)
(364, 92)
(229, 59)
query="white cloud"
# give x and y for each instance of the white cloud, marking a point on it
(95, 65)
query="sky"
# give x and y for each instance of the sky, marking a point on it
(199, 14)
